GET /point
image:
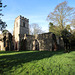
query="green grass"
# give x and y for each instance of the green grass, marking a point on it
(37, 63)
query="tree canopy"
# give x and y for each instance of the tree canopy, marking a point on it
(60, 22)
(2, 23)
(62, 15)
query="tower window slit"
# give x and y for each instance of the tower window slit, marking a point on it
(23, 24)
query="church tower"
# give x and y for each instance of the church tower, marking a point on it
(21, 27)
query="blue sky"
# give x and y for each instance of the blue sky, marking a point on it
(35, 10)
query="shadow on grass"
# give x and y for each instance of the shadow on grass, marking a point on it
(7, 62)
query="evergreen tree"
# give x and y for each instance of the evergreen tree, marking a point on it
(2, 23)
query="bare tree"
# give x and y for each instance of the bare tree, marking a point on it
(61, 15)
(73, 22)
(35, 29)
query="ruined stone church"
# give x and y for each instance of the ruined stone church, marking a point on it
(21, 40)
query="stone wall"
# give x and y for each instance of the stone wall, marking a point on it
(29, 39)
(60, 42)
(6, 42)
(41, 42)
(2, 46)
(21, 27)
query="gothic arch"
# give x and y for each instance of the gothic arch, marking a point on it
(24, 44)
(35, 44)
(54, 44)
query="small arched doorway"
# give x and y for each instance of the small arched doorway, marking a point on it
(16, 46)
(23, 44)
(35, 45)
(4, 39)
(54, 43)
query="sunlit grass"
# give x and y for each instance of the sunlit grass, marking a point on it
(37, 63)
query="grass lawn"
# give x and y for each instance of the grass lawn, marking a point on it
(37, 63)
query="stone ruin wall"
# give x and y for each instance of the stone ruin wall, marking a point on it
(1, 42)
(60, 42)
(6, 42)
(43, 41)
(30, 39)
